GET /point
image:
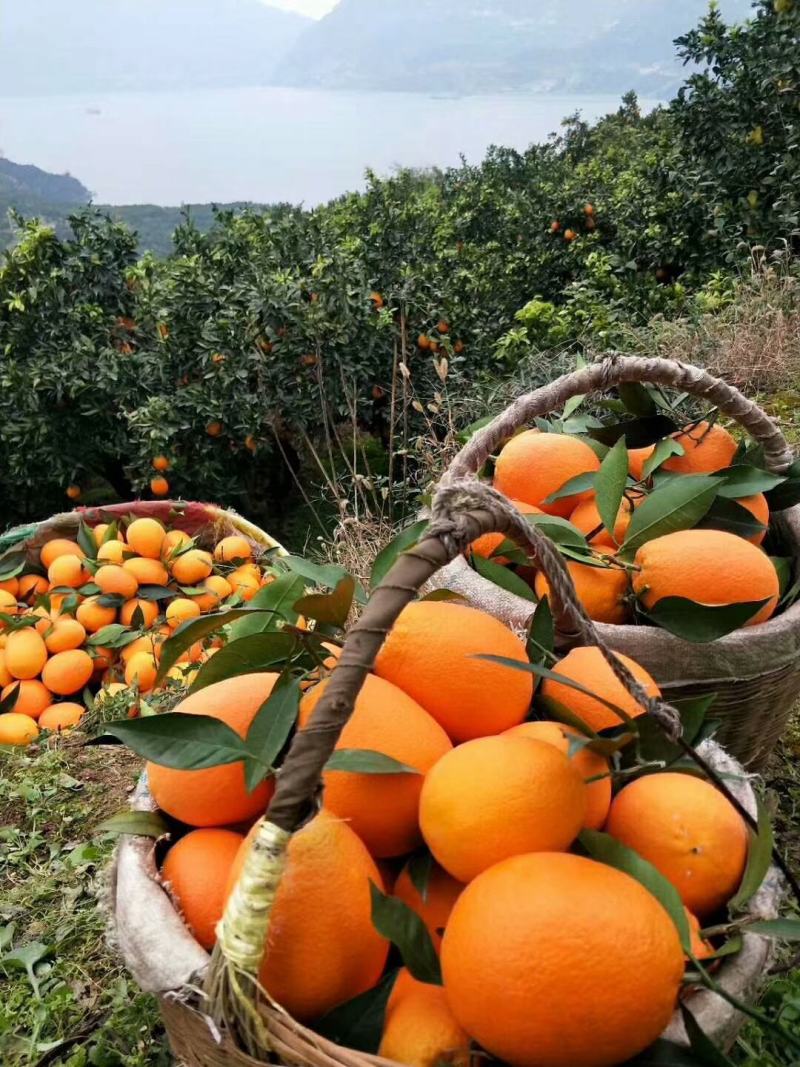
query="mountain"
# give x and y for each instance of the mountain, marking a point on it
(469, 46)
(88, 46)
(22, 183)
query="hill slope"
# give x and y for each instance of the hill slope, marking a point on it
(109, 45)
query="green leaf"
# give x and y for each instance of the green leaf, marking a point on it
(501, 576)
(782, 929)
(327, 576)
(677, 505)
(606, 849)
(759, 858)
(111, 534)
(387, 556)
(247, 655)
(270, 729)
(182, 742)
(155, 592)
(701, 623)
(571, 406)
(366, 761)
(419, 869)
(730, 516)
(637, 399)
(639, 433)
(332, 608)
(25, 958)
(783, 568)
(11, 565)
(787, 494)
(110, 600)
(86, 540)
(8, 703)
(358, 1023)
(653, 744)
(275, 604)
(137, 823)
(395, 921)
(559, 530)
(195, 630)
(114, 635)
(580, 483)
(541, 632)
(744, 480)
(661, 453)
(610, 483)
(701, 1044)
(443, 594)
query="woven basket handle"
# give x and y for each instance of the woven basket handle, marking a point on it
(616, 370)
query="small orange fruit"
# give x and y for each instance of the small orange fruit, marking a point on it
(637, 457)
(148, 609)
(192, 567)
(113, 579)
(147, 571)
(145, 537)
(569, 235)
(587, 666)
(6, 678)
(431, 655)
(161, 463)
(441, 893)
(65, 634)
(8, 603)
(59, 546)
(173, 543)
(26, 653)
(61, 717)
(94, 616)
(497, 797)
(32, 697)
(216, 795)
(181, 610)
(73, 492)
(586, 518)
(67, 571)
(709, 567)
(419, 1028)
(32, 586)
(251, 444)
(701, 949)
(234, 548)
(196, 870)
(376, 299)
(113, 552)
(245, 581)
(145, 643)
(707, 448)
(141, 670)
(10, 585)
(594, 928)
(443, 326)
(534, 465)
(555, 226)
(322, 948)
(688, 830)
(214, 429)
(382, 808)
(99, 532)
(159, 486)
(16, 729)
(423, 341)
(601, 590)
(68, 672)
(218, 589)
(759, 508)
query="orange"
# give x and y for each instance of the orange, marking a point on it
(587, 763)
(73, 492)
(8, 603)
(113, 552)
(100, 532)
(434, 908)
(382, 808)
(181, 610)
(5, 677)
(93, 616)
(430, 654)
(147, 571)
(159, 486)
(245, 581)
(102, 658)
(587, 666)
(709, 567)
(553, 960)
(141, 670)
(322, 948)
(17, 729)
(174, 541)
(115, 579)
(32, 586)
(160, 463)
(67, 571)
(32, 697)
(214, 429)
(60, 546)
(497, 797)
(146, 643)
(196, 870)
(219, 589)
(533, 465)
(701, 949)
(419, 1028)
(490, 542)
(688, 831)
(148, 609)
(759, 508)
(192, 567)
(233, 548)
(145, 537)
(587, 519)
(601, 590)
(637, 457)
(10, 585)
(68, 672)
(707, 448)
(26, 653)
(60, 717)
(66, 634)
(217, 795)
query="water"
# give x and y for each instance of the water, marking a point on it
(265, 145)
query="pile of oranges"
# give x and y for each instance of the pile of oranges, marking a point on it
(548, 957)
(713, 567)
(140, 584)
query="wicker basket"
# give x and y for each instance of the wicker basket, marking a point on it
(160, 951)
(755, 671)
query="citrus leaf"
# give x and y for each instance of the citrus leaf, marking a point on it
(783, 568)
(11, 565)
(580, 483)
(366, 761)
(110, 600)
(137, 823)
(386, 557)
(395, 921)
(637, 432)
(677, 505)
(744, 480)
(8, 703)
(730, 516)
(559, 530)
(787, 494)
(759, 858)
(636, 399)
(195, 630)
(653, 743)
(783, 929)
(85, 539)
(332, 608)
(156, 592)
(606, 849)
(114, 635)
(503, 577)
(182, 742)
(572, 406)
(248, 655)
(270, 730)
(419, 869)
(274, 605)
(701, 1044)
(327, 576)
(443, 594)
(358, 1023)
(701, 623)
(661, 453)
(541, 632)
(610, 483)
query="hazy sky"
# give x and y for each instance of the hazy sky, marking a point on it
(315, 8)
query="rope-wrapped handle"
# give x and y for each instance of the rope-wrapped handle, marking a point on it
(618, 370)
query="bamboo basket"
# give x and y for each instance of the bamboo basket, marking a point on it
(204, 1026)
(755, 671)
